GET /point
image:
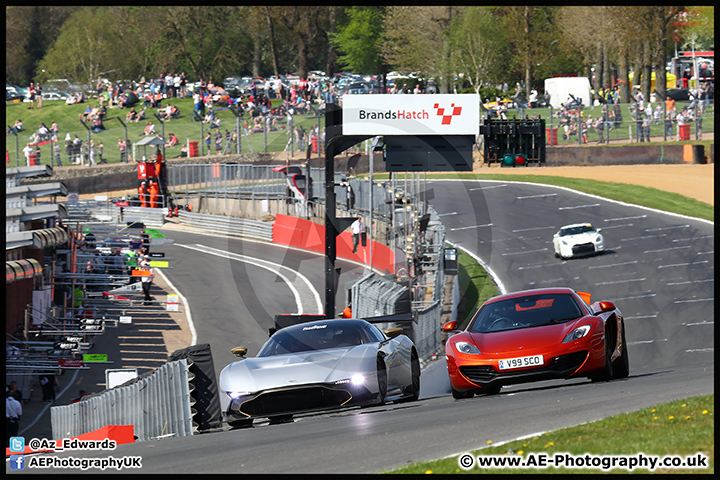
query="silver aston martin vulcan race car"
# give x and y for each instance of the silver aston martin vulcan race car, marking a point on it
(320, 365)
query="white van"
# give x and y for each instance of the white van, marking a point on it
(560, 89)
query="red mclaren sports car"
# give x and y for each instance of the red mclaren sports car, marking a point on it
(536, 335)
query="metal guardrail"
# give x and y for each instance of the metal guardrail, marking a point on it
(150, 217)
(374, 295)
(236, 227)
(88, 211)
(157, 405)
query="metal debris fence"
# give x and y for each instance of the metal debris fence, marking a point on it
(158, 405)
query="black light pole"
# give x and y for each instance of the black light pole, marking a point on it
(162, 122)
(17, 149)
(202, 139)
(335, 143)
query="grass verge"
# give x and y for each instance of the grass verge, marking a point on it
(681, 428)
(476, 286)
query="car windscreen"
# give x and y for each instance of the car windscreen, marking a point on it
(318, 336)
(576, 230)
(524, 312)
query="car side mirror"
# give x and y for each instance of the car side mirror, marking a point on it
(239, 351)
(393, 332)
(450, 326)
(600, 307)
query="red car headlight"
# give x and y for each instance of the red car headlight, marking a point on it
(576, 334)
(466, 347)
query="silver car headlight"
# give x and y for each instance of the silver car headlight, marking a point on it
(236, 395)
(576, 334)
(599, 239)
(467, 347)
(356, 380)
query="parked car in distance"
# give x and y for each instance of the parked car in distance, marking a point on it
(54, 96)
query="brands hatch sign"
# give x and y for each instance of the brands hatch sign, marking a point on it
(410, 114)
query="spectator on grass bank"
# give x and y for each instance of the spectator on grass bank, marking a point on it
(31, 91)
(218, 141)
(169, 86)
(183, 85)
(27, 151)
(97, 125)
(172, 140)
(680, 119)
(17, 127)
(77, 149)
(647, 120)
(122, 146)
(100, 148)
(176, 85)
(56, 152)
(149, 129)
(68, 147)
(669, 104)
(91, 152)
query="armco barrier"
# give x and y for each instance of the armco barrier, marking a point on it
(233, 226)
(307, 235)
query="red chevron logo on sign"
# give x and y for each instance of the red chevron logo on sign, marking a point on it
(447, 117)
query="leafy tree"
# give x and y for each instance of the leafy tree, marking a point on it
(695, 24)
(304, 25)
(139, 32)
(594, 44)
(532, 37)
(29, 34)
(358, 40)
(205, 38)
(84, 48)
(477, 46)
(645, 32)
(414, 38)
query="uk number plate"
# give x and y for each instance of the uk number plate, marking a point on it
(520, 362)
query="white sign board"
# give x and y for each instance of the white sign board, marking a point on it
(173, 303)
(115, 377)
(410, 114)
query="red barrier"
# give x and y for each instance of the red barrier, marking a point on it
(307, 235)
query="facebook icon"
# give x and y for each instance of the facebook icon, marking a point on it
(17, 462)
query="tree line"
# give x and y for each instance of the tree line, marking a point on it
(470, 47)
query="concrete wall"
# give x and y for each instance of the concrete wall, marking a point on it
(623, 155)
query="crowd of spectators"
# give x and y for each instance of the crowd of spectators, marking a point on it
(309, 96)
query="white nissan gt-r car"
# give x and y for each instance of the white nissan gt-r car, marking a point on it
(577, 240)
